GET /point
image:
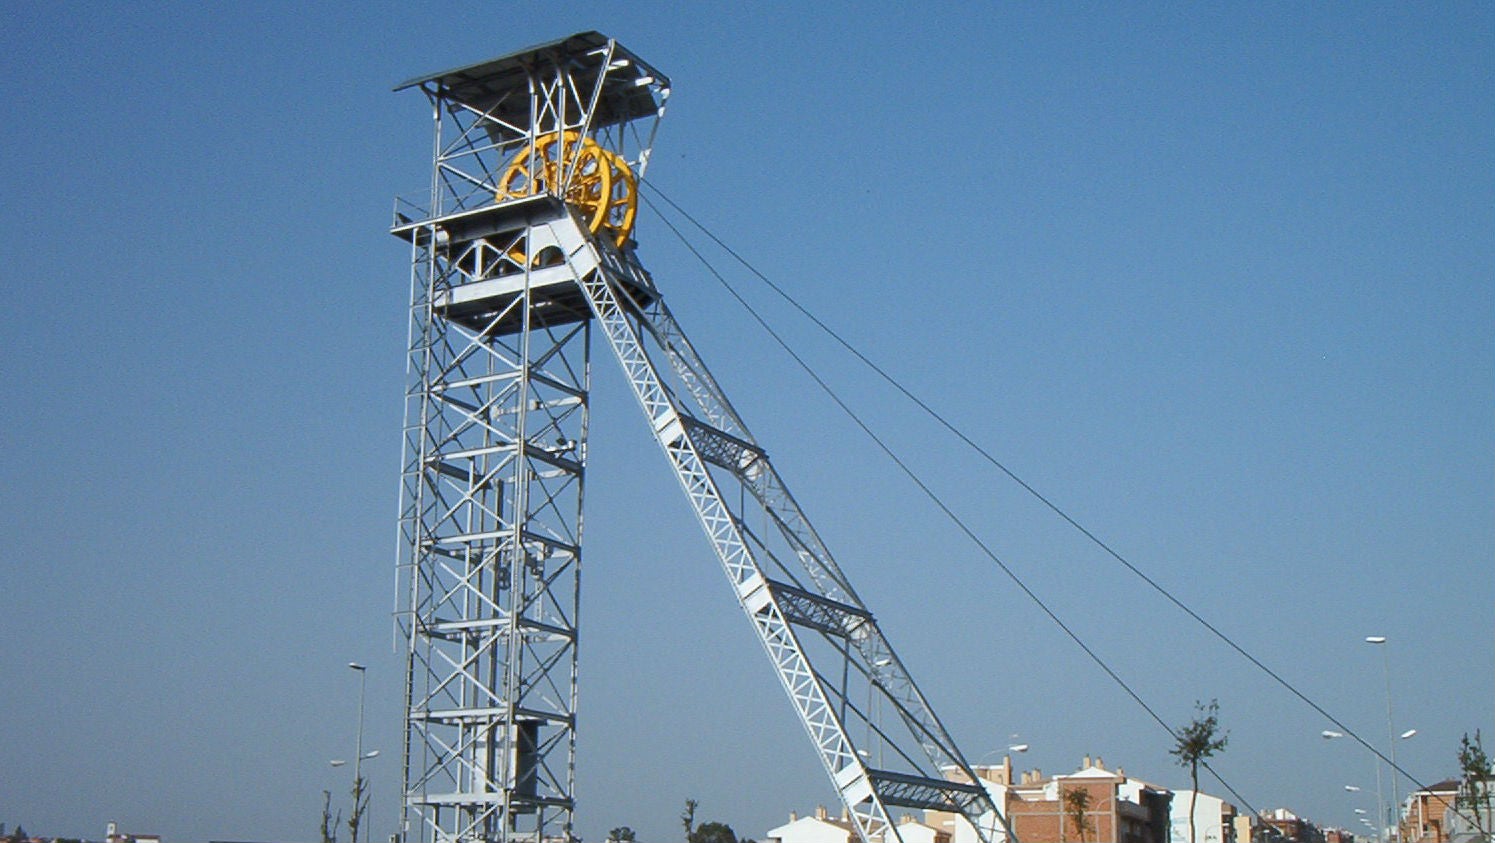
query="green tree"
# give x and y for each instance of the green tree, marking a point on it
(360, 806)
(1076, 803)
(621, 834)
(1476, 777)
(714, 832)
(707, 832)
(688, 819)
(1194, 744)
(329, 825)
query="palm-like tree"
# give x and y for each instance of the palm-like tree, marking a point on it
(1195, 743)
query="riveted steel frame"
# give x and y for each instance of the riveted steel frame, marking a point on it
(491, 530)
(823, 642)
(478, 136)
(493, 478)
(496, 419)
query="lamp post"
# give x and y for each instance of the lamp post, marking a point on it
(1396, 803)
(358, 787)
(1011, 748)
(1329, 734)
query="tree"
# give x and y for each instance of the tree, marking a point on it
(360, 806)
(1476, 776)
(1194, 744)
(688, 819)
(1076, 803)
(714, 832)
(329, 825)
(621, 834)
(707, 832)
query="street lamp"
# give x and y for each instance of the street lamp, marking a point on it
(1380, 641)
(358, 755)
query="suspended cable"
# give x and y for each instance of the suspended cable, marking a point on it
(931, 494)
(1040, 497)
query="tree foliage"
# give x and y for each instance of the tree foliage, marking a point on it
(707, 832)
(1194, 744)
(714, 832)
(360, 806)
(1076, 803)
(621, 834)
(329, 825)
(1476, 778)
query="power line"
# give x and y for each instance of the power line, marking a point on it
(993, 461)
(924, 487)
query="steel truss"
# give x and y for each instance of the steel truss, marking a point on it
(496, 433)
(503, 297)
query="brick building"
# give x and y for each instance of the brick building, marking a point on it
(1290, 828)
(1091, 805)
(1422, 814)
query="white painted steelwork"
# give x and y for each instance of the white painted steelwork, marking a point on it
(504, 292)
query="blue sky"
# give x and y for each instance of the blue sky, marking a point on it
(1216, 279)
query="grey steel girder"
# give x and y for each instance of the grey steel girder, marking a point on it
(815, 596)
(505, 289)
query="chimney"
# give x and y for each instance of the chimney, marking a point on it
(1086, 764)
(1100, 762)
(819, 812)
(793, 815)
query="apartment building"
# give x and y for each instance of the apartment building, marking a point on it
(1090, 805)
(1422, 813)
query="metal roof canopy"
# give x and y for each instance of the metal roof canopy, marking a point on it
(491, 86)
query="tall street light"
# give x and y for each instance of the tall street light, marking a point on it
(1396, 803)
(1350, 788)
(358, 754)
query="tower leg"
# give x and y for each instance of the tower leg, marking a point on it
(495, 454)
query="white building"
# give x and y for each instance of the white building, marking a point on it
(823, 828)
(820, 828)
(1214, 818)
(1475, 810)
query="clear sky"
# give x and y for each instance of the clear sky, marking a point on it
(1217, 278)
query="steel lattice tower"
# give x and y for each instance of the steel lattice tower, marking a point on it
(523, 243)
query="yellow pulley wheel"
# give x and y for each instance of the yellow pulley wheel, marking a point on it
(598, 182)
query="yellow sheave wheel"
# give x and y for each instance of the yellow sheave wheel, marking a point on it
(601, 184)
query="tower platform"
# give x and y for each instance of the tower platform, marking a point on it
(489, 247)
